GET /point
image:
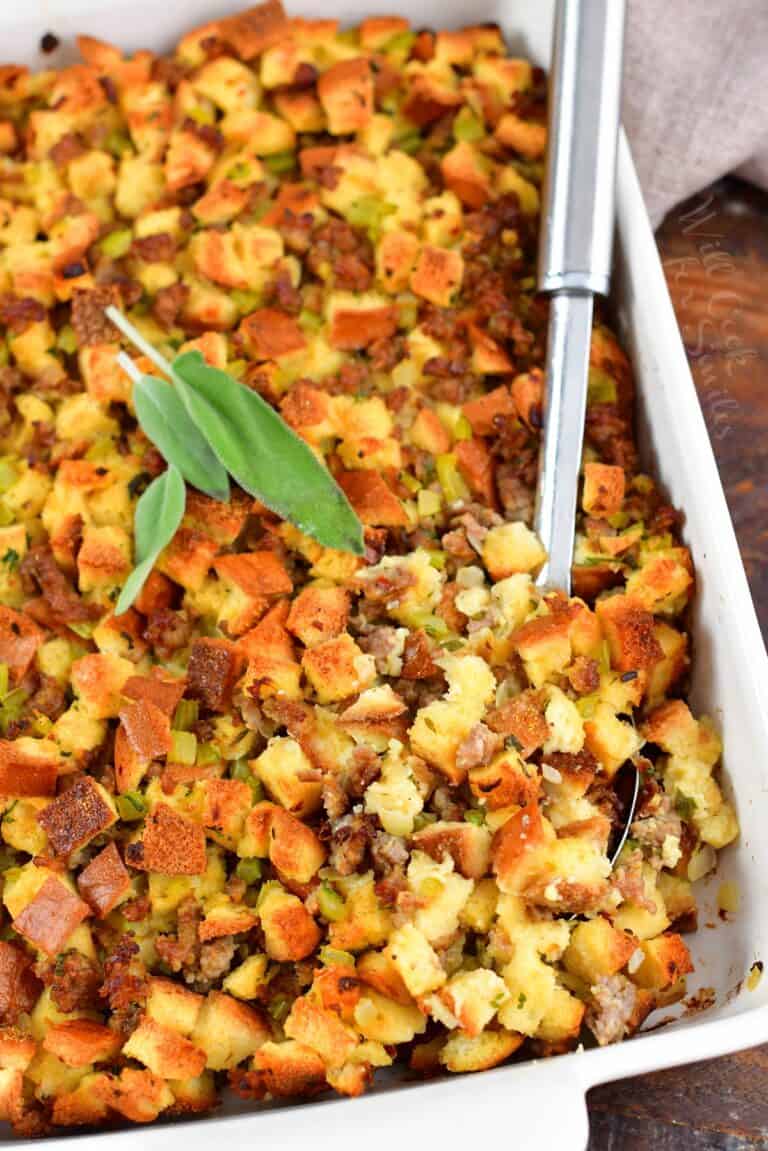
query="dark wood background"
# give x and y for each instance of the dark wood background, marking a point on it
(715, 255)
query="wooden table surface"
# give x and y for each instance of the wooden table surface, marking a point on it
(715, 255)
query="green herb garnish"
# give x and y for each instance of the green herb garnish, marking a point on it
(207, 424)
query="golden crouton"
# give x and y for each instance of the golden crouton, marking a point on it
(289, 1069)
(25, 771)
(318, 613)
(104, 882)
(290, 932)
(80, 813)
(437, 275)
(320, 1030)
(467, 844)
(80, 1042)
(228, 1031)
(597, 948)
(603, 489)
(170, 844)
(99, 680)
(630, 634)
(289, 776)
(346, 94)
(665, 960)
(466, 173)
(164, 1051)
(464, 1052)
(337, 668)
(51, 916)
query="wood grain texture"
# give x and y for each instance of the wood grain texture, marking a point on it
(715, 255)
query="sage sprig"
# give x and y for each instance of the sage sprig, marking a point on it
(164, 419)
(265, 456)
(207, 426)
(158, 514)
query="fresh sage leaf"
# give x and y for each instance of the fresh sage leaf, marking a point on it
(265, 456)
(158, 514)
(164, 419)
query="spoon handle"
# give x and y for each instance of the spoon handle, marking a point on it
(575, 250)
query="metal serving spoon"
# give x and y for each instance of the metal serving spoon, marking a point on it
(575, 264)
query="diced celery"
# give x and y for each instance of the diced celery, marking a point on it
(66, 339)
(117, 143)
(474, 815)
(333, 957)
(131, 806)
(467, 126)
(401, 43)
(6, 515)
(183, 747)
(450, 479)
(83, 628)
(207, 753)
(246, 301)
(249, 870)
(409, 143)
(310, 321)
(117, 244)
(462, 429)
(3, 680)
(437, 558)
(330, 903)
(601, 387)
(240, 770)
(185, 715)
(423, 819)
(280, 162)
(410, 482)
(202, 115)
(369, 212)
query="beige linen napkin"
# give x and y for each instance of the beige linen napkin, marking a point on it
(696, 94)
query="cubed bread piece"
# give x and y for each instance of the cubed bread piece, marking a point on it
(289, 1069)
(438, 274)
(99, 680)
(290, 932)
(225, 917)
(165, 1052)
(147, 728)
(19, 986)
(376, 970)
(386, 1021)
(173, 1006)
(603, 492)
(214, 667)
(666, 960)
(337, 668)
(80, 1042)
(77, 816)
(373, 501)
(346, 94)
(169, 844)
(630, 634)
(468, 844)
(105, 881)
(415, 961)
(544, 645)
(463, 1052)
(507, 780)
(50, 918)
(318, 613)
(321, 1030)
(293, 848)
(289, 776)
(597, 948)
(228, 1031)
(28, 767)
(471, 999)
(510, 548)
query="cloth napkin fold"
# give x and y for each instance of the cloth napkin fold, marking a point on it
(695, 95)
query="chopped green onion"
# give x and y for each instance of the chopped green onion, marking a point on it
(279, 1008)
(131, 806)
(183, 747)
(185, 715)
(450, 479)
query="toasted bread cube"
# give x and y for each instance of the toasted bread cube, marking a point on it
(395, 256)
(372, 499)
(597, 948)
(438, 274)
(464, 1052)
(544, 645)
(320, 1030)
(466, 173)
(440, 727)
(376, 970)
(603, 492)
(224, 917)
(290, 932)
(666, 960)
(346, 94)
(511, 548)
(271, 335)
(173, 1006)
(164, 1052)
(504, 782)
(214, 667)
(19, 986)
(147, 728)
(415, 961)
(483, 411)
(386, 1021)
(517, 845)
(226, 805)
(50, 918)
(28, 767)
(99, 680)
(194, 1096)
(472, 998)
(288, 776)
(610, 739)
(527, 137)
(244, 981)
(289, 1069)
(337, 668)
(16, 1050)
(466, 843)
(673, 727)
(228, 1031)
(641, 920)
(75, 817)
(664, 581)
(318, 613)
(488, 356)
(293, 847)
(630, 633)
(170, 844)
(80, 1042)
(104, 882)
(104, 558)
(11, 1093)
(86, 1105)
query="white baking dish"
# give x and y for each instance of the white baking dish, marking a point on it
(539, 1104)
